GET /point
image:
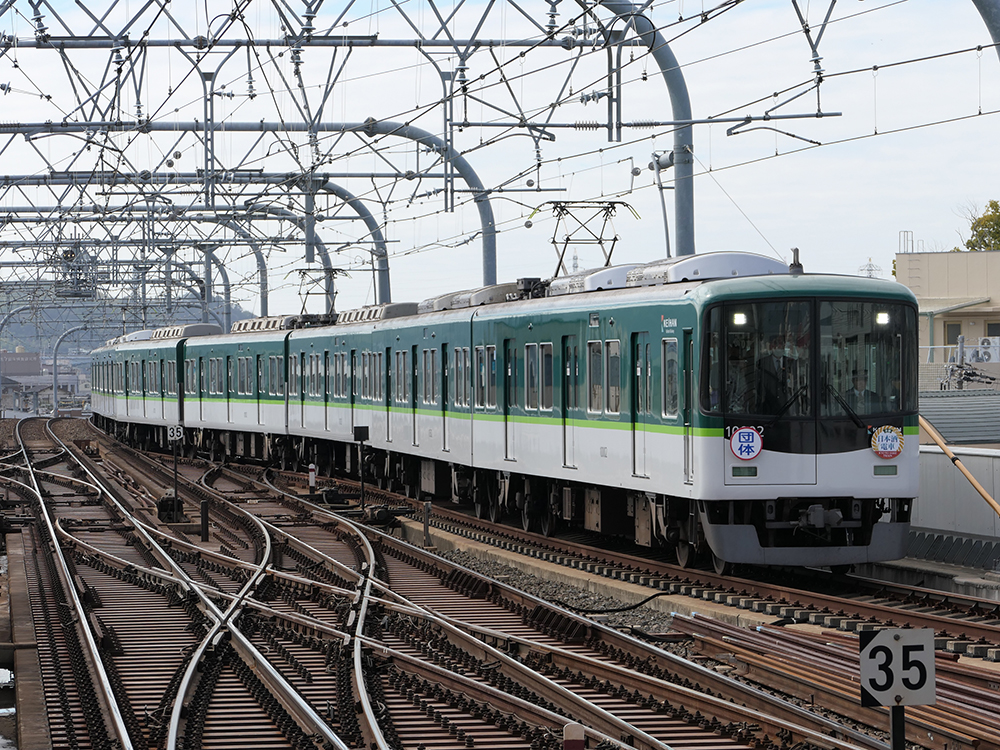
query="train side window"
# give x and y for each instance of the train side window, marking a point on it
(459, 377)
(467, 380)
(480, 376)
(671, 390)
(435, 384)
(491, 376)
(399, 379)
(425, 364)
(511, 350)
(613, 357)
(531, 376)
(293, 375)
(546, 354)
(595, 376)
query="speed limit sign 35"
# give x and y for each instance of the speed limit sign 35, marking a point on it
(897, 667)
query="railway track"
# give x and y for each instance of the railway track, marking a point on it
(963, 624)
(286, 625)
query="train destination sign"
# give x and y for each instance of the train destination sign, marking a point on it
(897, 667)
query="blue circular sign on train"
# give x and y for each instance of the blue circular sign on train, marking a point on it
(746, 443)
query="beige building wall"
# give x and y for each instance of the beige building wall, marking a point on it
(957, 288)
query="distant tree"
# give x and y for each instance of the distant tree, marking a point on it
(985, 229)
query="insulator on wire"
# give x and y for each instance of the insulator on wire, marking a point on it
(589, 125)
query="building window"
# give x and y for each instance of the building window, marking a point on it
(951, 333)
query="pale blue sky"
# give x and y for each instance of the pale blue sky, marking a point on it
(841, 203)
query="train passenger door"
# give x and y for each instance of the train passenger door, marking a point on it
(444, 397)
(570, 397)
(388, 394)
(509, 398)
(687, 363)
(641, 394)
(414, 383)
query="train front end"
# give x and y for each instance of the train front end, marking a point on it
(808, 391)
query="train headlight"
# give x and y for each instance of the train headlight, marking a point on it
(882, 318)
(739, 319)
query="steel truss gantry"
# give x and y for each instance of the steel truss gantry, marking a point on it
(143, 144)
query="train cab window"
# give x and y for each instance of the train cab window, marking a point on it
(671, 383)
(531, 376)
(613, 360)
(758, 357)
(491, 376)
(867, 358)
(595, 376)
(545, 350)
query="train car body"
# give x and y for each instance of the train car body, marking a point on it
(136, 393)
(717, 404)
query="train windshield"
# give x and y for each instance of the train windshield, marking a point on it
(802, 358)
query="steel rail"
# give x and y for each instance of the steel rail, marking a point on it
(749, 588)
(718, 683)
(109, 701)
(574, 705)
(520, 707)
(565, 699)
(291, 701)
(296, 706)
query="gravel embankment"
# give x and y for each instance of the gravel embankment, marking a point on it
(575, 599)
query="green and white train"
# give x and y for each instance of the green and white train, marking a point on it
(722, 403)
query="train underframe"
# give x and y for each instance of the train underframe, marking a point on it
(833, 531)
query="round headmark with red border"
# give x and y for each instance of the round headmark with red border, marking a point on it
(746, 443)
(887, 441)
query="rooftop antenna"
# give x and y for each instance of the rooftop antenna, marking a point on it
(870, 270)
(795, 268)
